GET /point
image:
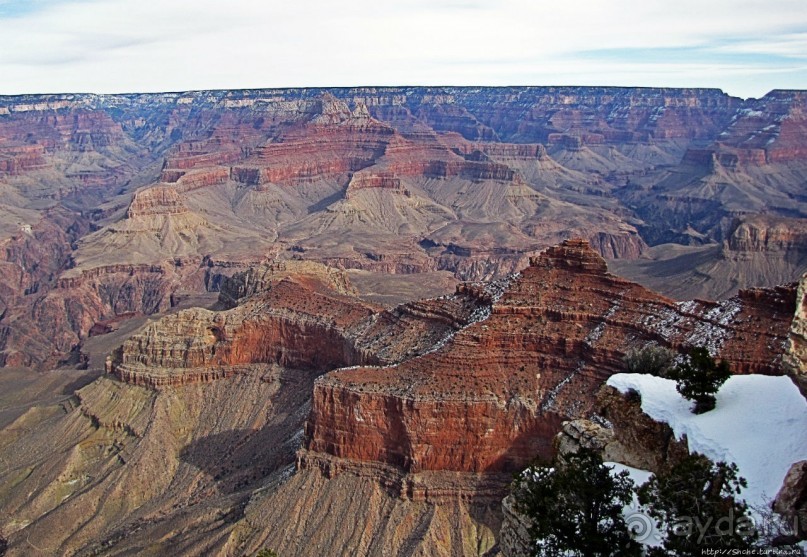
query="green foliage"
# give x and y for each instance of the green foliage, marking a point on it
(266, 553)
(695, 503)
(651, 359)
(576, 507)
(699, 378)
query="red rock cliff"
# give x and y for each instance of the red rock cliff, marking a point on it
(493, 397)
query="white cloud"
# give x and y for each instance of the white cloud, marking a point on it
(150, 45)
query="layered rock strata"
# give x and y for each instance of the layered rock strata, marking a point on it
(473, 181)
(289, 315)
(494, 397)
(417, 438)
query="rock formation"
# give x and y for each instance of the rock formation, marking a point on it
(553, 334)
(294, 395)
(791, 501)
(795, 358)
(276, 315)
(472, 181)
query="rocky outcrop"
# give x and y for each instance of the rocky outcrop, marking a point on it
(634, 438)
(625, 245)
(791, 501)
(795, 358)
(293, 315)
(243, 285)
(296, 318)
(620, 432)
(382, 180)
(156, 201)
(768, 235)
(551, 337)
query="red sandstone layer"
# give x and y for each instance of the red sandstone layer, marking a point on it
(494, 396)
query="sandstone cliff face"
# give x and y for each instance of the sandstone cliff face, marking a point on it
(495, 396)
(766, 234)
(295, 314)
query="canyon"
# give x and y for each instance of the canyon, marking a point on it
(98, 191)
(224, 430)
(233, 319)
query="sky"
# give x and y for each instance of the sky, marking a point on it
(744, 47)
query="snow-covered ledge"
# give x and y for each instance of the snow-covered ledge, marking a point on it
(760, 424)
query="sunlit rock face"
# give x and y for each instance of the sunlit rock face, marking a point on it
(495, 395)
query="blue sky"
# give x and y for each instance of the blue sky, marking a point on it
(744, 47)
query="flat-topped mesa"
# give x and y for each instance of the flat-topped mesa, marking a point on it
(764, 233)
(156, 200)
(374, 180)
(507, 151)
(431, 156)
(258, 279)
(189, 180)
(492, 397)
(296, 323)
(573, 255)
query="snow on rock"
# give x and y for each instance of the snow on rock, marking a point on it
(636, 474)
(712, 322)
(643, 528)
(760, 424)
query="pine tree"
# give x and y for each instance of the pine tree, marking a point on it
(694, 502)
(699, 378)
(576, 507)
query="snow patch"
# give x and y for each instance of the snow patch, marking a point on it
(712, 326)
(760, 424)
(495, 289)
(643, 527)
